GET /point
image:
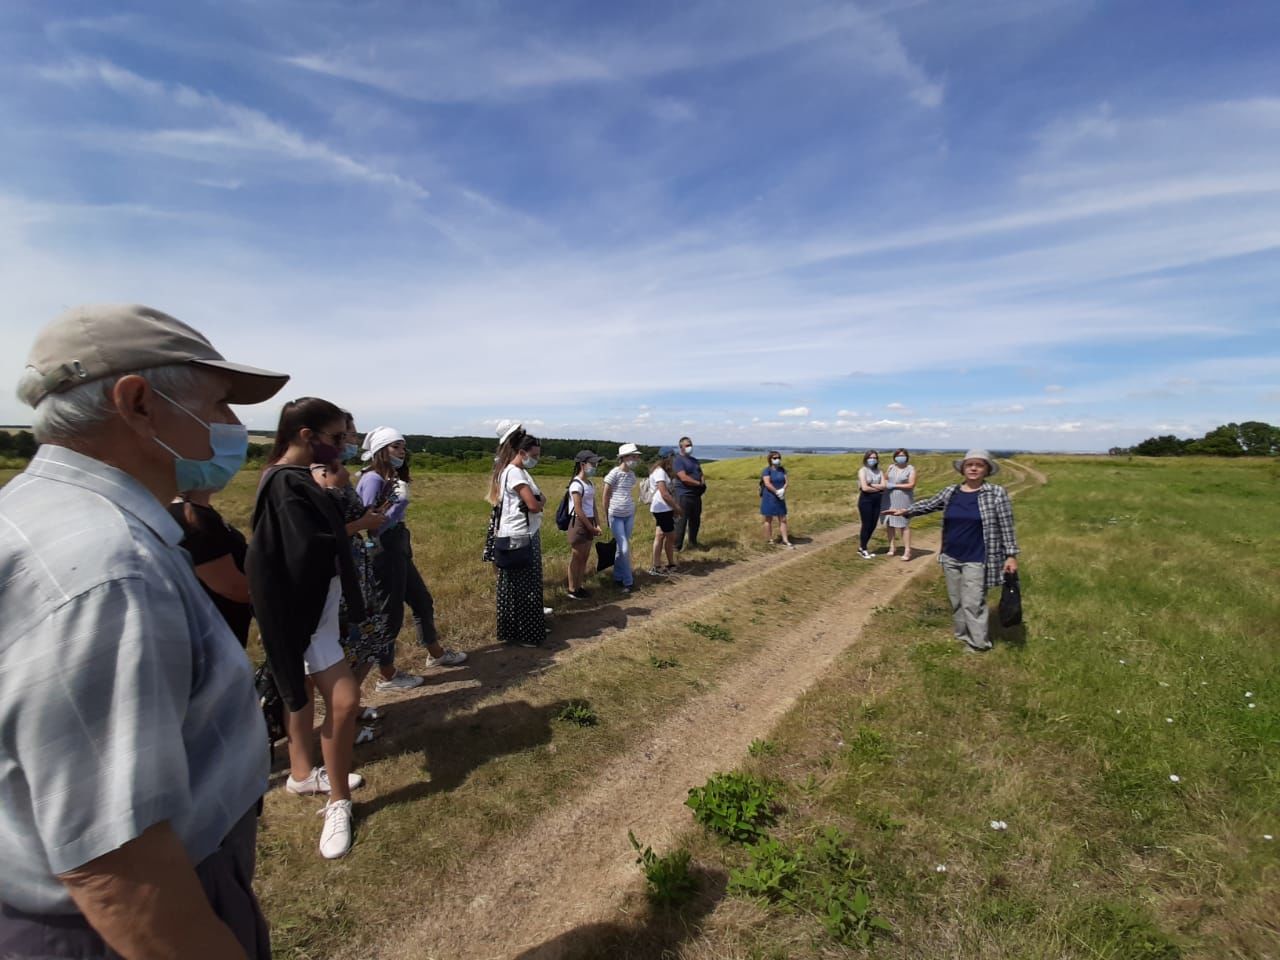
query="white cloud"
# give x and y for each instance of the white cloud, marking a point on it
(895, 406)
(1054, 388)
(794, 412)
(848, 413)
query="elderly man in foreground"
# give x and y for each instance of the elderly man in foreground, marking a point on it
(132, 753)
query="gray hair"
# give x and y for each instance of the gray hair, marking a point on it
(65, 417)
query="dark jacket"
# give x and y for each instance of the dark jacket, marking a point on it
(299, 541)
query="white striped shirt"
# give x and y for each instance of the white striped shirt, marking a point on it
(125, 700)
(621, 481)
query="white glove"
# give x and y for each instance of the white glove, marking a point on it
(402, 491)
(781, 492)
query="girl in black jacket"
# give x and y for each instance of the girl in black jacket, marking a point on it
(300, 567)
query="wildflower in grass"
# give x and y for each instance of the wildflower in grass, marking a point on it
(940, 868)
(1267, 836)
(1174, 778)
(1248, 694)
(1252, 705)
(1168, 719)
(1122, 662)
(999, 825)
(1163, 684)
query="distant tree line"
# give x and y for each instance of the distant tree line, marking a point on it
(18, 445)
(1253, 438)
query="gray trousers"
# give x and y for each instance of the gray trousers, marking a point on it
(966, 586)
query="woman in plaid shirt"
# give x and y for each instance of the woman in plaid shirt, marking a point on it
(979, 545)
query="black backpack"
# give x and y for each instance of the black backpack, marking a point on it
(564, 512)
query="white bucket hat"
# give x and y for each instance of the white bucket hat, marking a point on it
(992, 467)
(628, 450)
(377, 438)
(505, 429)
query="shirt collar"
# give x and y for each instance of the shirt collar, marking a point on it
(63, 465)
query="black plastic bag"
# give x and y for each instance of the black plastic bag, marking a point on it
(606, 553)
(1010, 601)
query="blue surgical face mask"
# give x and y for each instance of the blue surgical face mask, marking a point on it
(589, 470)
(530, 462)
(872, 461)
(350, 451)
(688, 451)
(396, 462)
(899, 459)
(229, 443)
(776, 461)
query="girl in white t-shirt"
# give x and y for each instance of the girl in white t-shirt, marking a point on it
(583, 525)
(520, 619)
(665, 508)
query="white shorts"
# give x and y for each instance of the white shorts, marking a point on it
(325, 649)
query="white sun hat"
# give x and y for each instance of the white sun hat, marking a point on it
(505, 429)
(628, 450)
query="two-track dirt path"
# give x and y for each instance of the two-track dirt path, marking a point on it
(574, 865)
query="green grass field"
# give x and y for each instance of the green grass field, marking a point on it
(1149, 652)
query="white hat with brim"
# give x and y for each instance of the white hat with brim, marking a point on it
(992, 467)
(505, 429)
(628, 450)
(377, 438)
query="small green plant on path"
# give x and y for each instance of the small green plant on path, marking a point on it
(670, 883)
(663, 663)
(761, 748)
(710, 631)
(825, 878)
(578, 712)
(737, 806)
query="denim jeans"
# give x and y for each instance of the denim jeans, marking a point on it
(621, 528)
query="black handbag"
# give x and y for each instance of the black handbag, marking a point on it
(1010, 601)
(507, 557)
(606, 553)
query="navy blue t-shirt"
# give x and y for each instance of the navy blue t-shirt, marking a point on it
(690, 466)
(962, 529)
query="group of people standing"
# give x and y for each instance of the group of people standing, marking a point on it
(132, 755)
(672, 491)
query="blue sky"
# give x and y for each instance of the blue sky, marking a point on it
(1030, 223)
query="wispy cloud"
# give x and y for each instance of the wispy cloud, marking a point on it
(794, 412)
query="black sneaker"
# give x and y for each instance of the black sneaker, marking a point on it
(579, 594)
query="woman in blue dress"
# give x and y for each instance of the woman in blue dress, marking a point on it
(773, 503)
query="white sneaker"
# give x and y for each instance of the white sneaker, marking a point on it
(866, 555)
(450, 658)
(547, 611)
(401, 681)
(335, 838)
(318, 782)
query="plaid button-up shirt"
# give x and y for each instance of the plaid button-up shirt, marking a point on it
(998, 537)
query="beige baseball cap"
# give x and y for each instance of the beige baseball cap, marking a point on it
(96, 341)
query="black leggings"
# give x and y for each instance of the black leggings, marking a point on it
(690, 521)
(402, 583)
(869, 511)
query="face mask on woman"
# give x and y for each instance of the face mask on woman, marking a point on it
(589, 471)
(530, 462)
(396, 462)
(350, 451)
(899, 459)
(776, 461)
(872, 462)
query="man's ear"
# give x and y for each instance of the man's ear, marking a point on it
(135, 401)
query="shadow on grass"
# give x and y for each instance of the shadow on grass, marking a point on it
(654, 935)
(453, 749)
